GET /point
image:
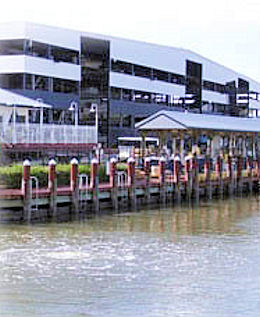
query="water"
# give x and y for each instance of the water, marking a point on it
(154, 263)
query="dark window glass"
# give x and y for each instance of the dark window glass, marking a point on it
(208, 85)
(41, 83)
(122, 67)
(65, 86)
(177, 79)
(12, 47)
(142, 71)
(28, 81)
(115, 93)
(64, 55)
(11, 81)
(160, 75)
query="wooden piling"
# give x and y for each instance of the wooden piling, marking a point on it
(74, 184)
(131, 182)
(195, 177)
(94, 183)
(113, 183)
(26, 191)
(239, 174)
(147, 170)
(52, 186)
(162, 165)
(188, 177)
(249, 173)
(177, 177)
(207, 177)
(230, 175)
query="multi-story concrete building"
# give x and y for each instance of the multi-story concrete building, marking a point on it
(127, 79)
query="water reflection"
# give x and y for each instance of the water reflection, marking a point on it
(200, 261)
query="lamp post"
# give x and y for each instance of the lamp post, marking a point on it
(94, 108)
(75, 107)
(40, 101)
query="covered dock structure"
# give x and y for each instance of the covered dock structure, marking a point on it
(209, 147)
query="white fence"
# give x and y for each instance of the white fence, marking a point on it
(46, 133)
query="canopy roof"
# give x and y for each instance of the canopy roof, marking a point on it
(175, 120)
(12, 99)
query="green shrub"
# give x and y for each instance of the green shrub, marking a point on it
(11, 176)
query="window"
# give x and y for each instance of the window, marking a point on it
(11, 81)
(65, 86)
(208, 85)
(41, 83)
(177, 79)
(12, 47)
(115, 93)
(122, 67)
(160, 75)
(59, 54)
(142, 71)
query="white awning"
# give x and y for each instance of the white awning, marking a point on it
(11, 99)
(175, 120)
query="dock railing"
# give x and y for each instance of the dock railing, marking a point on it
(46, 133)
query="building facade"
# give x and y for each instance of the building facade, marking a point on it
(128, 80)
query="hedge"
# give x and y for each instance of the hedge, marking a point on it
(11, 176)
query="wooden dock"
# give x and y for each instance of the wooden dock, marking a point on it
(128, 189)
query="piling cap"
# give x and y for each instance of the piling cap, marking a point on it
(130, 160)
(113, 160)
(74, 161)
(177, 158)
(147, 159)
(94, 161)
(162, 159)
(26, 163)
(52, 162)
(188, 157)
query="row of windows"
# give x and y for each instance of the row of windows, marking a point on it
(37, 82)
(155, 74)
(146, 97)
(33, 48)
(146, 72)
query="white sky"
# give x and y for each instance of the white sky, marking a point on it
(226, 31)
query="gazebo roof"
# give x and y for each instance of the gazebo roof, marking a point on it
(12, 99)
(175, 120)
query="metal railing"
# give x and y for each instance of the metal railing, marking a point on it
(46, 133)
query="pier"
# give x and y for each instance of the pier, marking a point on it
(212, 156)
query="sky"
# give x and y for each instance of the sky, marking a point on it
(225, 31)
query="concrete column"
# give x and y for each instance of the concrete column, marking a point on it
(74, 184)
(26, 190)
(52, 186)
(94, 182)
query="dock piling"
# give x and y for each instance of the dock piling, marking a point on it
(26, 190)
(52, 186)
(94, 183)
(113, 183)
(131, 181)
(74, 184)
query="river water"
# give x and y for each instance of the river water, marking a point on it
(157, 262)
